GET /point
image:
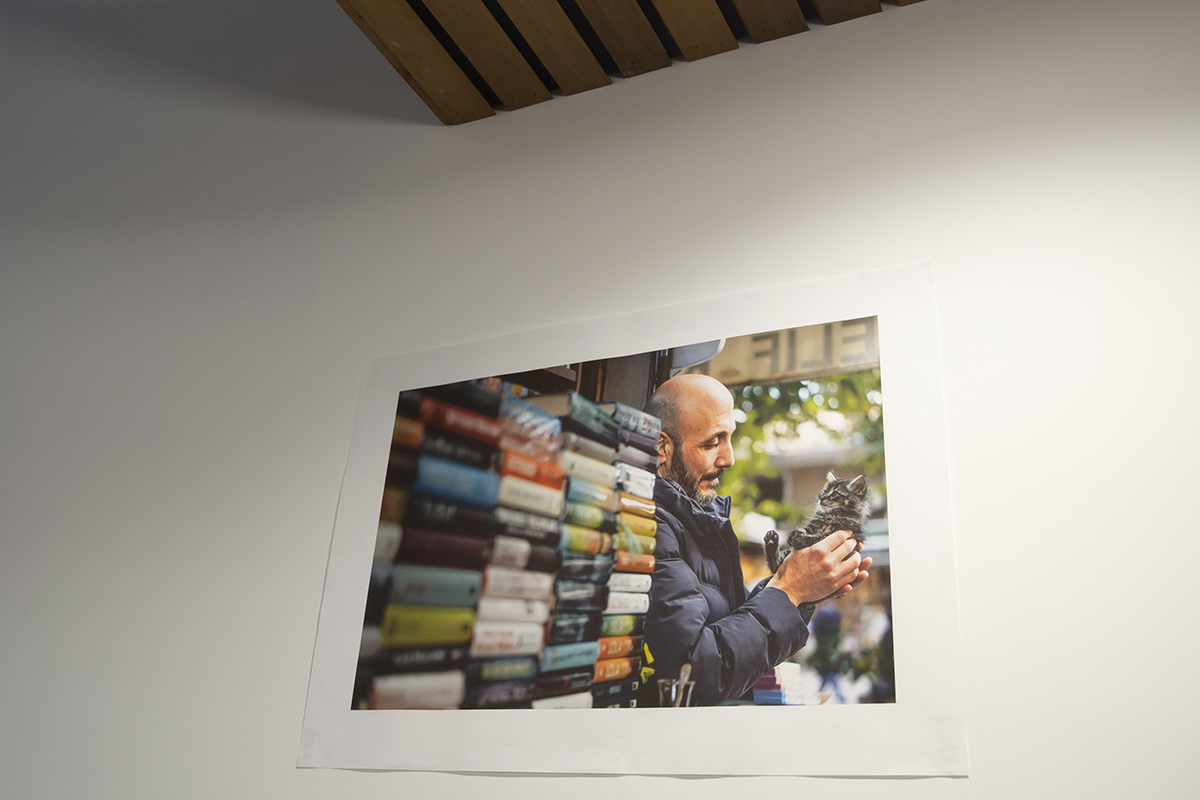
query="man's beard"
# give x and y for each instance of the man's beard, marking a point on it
(688, 483)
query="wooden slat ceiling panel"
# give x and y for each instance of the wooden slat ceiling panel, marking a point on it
(464, 56)
(557, 44)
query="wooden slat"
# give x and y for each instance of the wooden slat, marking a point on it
(626, 35)
(394, 28)
(697, 26)
(835, 11)
(557, 44)
(488, 48)
(770, 19)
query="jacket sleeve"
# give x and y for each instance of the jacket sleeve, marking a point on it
(727, 655)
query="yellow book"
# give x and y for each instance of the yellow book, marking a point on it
(414, 626)
(642, 526)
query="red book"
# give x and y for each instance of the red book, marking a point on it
(459, 420)
(524, 466)
(634, 562)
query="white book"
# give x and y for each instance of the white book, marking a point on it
(529, 496)
(636, 481)
(509, 551)
(627, 603)
(509, 582)
(419, 690)
(629, 582)
(512, 609)
(492, 638)
(589, 447)
(589, 469)
(578, 700)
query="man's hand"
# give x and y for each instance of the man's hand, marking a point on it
(829, 568)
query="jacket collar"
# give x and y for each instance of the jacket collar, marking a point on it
(668, 494)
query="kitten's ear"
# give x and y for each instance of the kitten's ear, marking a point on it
(830, 478)
(858, 484)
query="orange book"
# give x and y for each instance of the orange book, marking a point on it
(459, 420)
(632, 504)
(634, 562)
(614, 669)
(617, 646)
(513, 462)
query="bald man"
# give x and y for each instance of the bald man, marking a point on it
(699, 611)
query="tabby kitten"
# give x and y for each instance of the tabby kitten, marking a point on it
(841, 506)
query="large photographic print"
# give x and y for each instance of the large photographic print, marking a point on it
(650, 543)
(517, 560)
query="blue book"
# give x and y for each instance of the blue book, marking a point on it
(457, 481)
(566, 656)
(420, 585)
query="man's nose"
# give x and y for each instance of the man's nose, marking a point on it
(725, 457)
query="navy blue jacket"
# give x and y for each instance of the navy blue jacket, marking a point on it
(699, 612)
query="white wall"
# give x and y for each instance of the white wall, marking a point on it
(212, 215)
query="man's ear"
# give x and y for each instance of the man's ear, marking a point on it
(665, 447)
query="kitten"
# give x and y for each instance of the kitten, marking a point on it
(841, 506)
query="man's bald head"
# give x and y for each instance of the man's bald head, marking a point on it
(695, 445)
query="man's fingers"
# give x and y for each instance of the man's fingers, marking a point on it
(845, 547)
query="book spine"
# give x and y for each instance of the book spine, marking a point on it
(506, 694)
(584, 540)
(419, 690)
(588, 447)
(500, 669)
(519, 583)
(636, 481)
(444, 549)
(580, 490)
(619, 646)
(616, 688)
(627, 603)
(566, 656)
(420, 659)
(520, 465)
(634, 562)
(529, 496)
(530, 420)
(470, 396)
(510, 551)
(578, 465)
(457, 448)
(639, 525)
(511, 609)
(407, 433)
(573, 596)
(566, 681)
(456, 481)
(587, 516)
(458, 420)
(591, 420)
(433, 513)
(414, 584)
(634, 457)
(629, 582)
(506, 638)
(636, 440)
(416, 626)
(537, 528)
(583, 567)
(622, 701)
(632, 504)
(632, 419)
(567, 628)
(622, 624)
(614, 669)
(626, 540)
(578, 700)
(387, 542)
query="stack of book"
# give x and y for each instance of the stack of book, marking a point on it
(779, 686)
(466, 555)
(618, 670)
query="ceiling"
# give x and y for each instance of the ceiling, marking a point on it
(465, 58)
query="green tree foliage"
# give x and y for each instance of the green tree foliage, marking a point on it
(849, 407)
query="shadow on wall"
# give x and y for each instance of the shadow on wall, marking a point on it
(300, 51)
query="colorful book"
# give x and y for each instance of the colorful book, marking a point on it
(521, 465)
(589, 516)
(580, 415)
(429, 512)
(580, 490)
(494, 638)
(584, 540)
(578, 465)
(538, 529)
(622, 624)
(632, 504)
(633, 419)
(456, 481)
(469, 395)
(417, 626)
(565, 656)
(512, 609)
(421, 585)
(506, 694)
(529, 430)
(420, 659)
(642, 526)
(458, 420)
(634, 562)
(519, 583)
(631, 542)
(629, 582)
(457, 448)
(526, 495)
(615, 669)
(636, 481)
(387, 542)
(444, 549)
(635, 457)
(617, 646)
(575, 596)
(500, 669)
(569, 628)
(577, 700)
(575, 443)
(586, 567)
(419, 690)
(566, 681)
(407, 433)
(627, 603)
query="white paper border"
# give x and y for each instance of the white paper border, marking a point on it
(922, 734)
